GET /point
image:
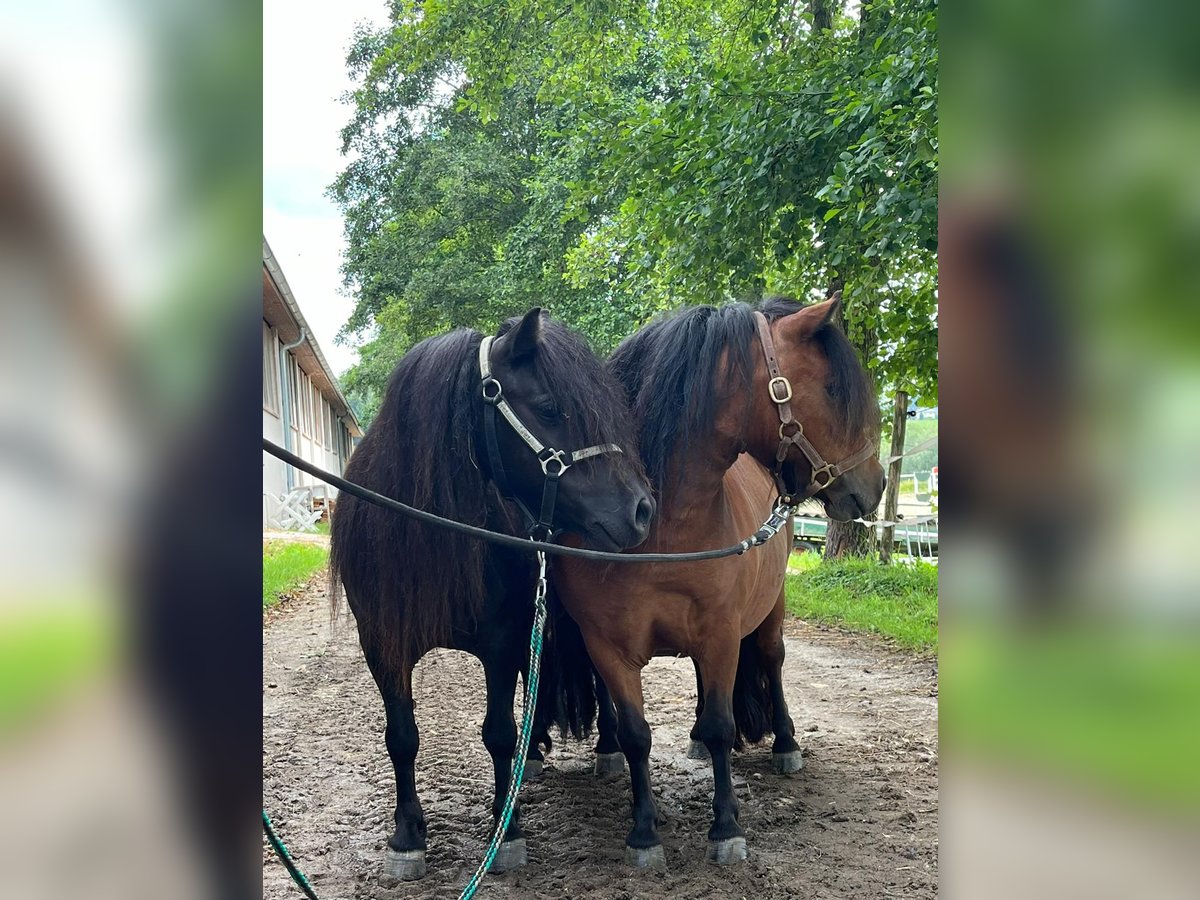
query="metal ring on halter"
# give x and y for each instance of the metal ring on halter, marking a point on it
(827, 471)
(787, 386)
(553, 456)
(783, 425)
(490, 382)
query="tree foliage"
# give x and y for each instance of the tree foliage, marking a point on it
(608, 158)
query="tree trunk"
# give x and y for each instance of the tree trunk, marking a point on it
(891, 499)
(850, 538)
(847, 539)
(822, 13)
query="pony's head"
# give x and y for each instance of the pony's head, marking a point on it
(563, 395)
(700, 374)
(831, 399)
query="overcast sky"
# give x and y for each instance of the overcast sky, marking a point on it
(304, 72)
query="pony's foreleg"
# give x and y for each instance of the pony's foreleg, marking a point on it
(643, 846)
(785, 752)
(609, 758)
(406, 847)
(717, 664)
(500, 738)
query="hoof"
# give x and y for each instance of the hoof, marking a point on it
(511, 855)
(533, 769)
(406, 865)
(610, 763)
(785, 763)
(646, 857)
(728, 852)
(697, 750)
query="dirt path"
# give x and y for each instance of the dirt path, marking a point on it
(861, 819)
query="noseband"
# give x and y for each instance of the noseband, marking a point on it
(554, 462)
(791, 432)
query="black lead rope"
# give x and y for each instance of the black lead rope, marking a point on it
(774, 524)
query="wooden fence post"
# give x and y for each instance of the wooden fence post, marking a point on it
(892, 496)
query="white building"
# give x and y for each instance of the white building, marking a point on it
(299, 387)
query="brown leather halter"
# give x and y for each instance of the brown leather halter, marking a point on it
(791, 432)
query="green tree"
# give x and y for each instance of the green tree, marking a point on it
(610, 159)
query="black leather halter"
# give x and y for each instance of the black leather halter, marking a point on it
(554, 462)
(791, 432)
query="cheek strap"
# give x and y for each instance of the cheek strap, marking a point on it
(791, 431)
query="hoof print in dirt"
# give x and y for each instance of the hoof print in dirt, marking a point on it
(787, 763)
(404, 865)
(697, 750)
(728, 852)
(511, 855)
(610, 763)
(646, 857)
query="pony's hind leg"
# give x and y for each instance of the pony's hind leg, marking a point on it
(535, 758)
(406, 847)
(500, 738)
(696, 748)
(609, 758)
(405, 858)
(717, 663)
(785, 752)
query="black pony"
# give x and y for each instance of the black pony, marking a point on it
(413, 587)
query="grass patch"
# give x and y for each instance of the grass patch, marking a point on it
(45, 655)
(287, 565)
(1113, 709)
(804, 561)
(897, 601)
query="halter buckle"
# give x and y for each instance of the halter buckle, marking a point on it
(491, 382)
(550, 458)
(827, 471)
(772, 386)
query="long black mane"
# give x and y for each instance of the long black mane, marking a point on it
(410, 585)
(672, 374)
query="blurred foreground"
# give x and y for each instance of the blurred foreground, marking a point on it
(1070, 380)
(129, 231)
(129, 639)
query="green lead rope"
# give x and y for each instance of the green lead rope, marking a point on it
(286, 858)
(528, 705)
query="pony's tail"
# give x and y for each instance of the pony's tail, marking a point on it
(568, 691)
(753, 711)
(334, 568)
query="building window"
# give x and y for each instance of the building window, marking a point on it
(305, 405)
(329, 420)
(319, 419)
(270, 371)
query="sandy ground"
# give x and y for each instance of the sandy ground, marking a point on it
(860, 820)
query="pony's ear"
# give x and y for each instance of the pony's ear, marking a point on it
(522, 340)
(802, 325)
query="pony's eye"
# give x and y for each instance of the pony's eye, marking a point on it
(548, 413)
